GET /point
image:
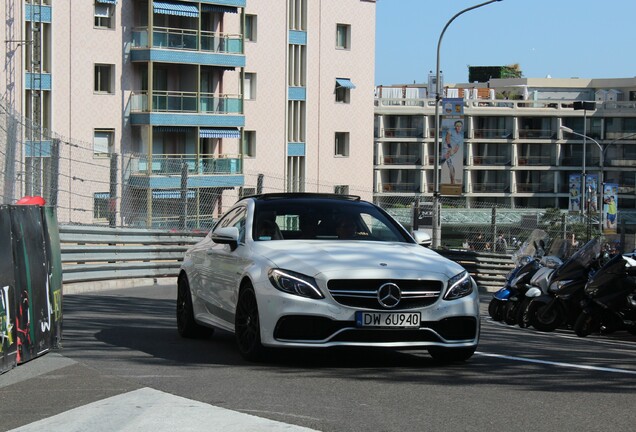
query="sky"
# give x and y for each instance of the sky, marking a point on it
(557, 38)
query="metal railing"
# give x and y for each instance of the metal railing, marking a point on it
(188, 39)
(180, 101)
(391, 159)
(172, 164)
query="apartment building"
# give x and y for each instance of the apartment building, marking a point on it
(523, 142)
(188, 104)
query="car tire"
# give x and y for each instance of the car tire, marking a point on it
(247, 327)
(186, 325)
(451, 355)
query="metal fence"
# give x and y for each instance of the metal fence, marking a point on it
(88, 184)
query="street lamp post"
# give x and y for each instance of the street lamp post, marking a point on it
(436, 237)
(602, 165)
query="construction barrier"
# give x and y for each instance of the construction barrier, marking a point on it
(30, 284)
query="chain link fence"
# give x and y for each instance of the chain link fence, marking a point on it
(87, 184)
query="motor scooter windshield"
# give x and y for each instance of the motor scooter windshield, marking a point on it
(579, 262)
(534, 246)
(605, 280)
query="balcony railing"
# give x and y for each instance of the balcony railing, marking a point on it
(491, 133)
(399, 187)
(403, 133)
(399, 160)
(491, 160)
(186, 39)
(535, 133)
(534, 187)
(488, 187)
(172, 164)
(169, 101)
(534, 160)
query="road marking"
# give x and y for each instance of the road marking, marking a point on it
(560, 364)
(147, 409)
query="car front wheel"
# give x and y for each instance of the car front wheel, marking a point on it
(247, 326)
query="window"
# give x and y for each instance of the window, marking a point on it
(100, 205)
(343, 36)
(343, 90)
(250, 86)
(104, 79)
(250, 28)
(249, 144)
(341, 189)
(103, 140)
(342, 144)
(104, 15)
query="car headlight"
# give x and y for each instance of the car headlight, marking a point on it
(295, 283)
(459, 286)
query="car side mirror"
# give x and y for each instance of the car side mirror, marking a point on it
(226, 235)
(422, 238)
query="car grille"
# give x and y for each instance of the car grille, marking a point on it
(363, 293)
(312, 328)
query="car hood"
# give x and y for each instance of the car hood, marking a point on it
(343, 258)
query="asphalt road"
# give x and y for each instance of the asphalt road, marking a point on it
(124, 367)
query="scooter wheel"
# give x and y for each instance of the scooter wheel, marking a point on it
(544, 317)
(496, 309)
(586, 324)
(522, 319)
(510, 313)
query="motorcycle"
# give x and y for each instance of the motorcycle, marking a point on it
(610, 302)
(556, 293)
(526, 260)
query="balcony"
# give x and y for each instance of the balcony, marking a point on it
(491, 160)
(399, 187)
(399, 160)
(491, 133)
(535, 160)
(534, 188)
(402, 133)
(535, 134)
(488, 187)
(172, 164)
(186, 39)
(186, 102)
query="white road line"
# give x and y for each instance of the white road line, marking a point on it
(560, 364)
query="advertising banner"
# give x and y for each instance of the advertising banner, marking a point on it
(591, 193)
(8, 347)
(452, 145)
(610, 208)
(33, 308)
(575, 193)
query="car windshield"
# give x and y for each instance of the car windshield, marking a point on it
(323, 219)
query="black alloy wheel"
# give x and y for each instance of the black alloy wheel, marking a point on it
(247, 326)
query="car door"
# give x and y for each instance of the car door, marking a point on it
(223, 269)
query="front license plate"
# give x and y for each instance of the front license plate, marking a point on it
(387, 319)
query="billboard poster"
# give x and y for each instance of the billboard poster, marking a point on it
(610, 208)
(591, 193)
(452, 145)
(575, 193)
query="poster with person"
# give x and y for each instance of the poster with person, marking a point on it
(575, 193)
(591, 191)
(610, 208)
(452, 141)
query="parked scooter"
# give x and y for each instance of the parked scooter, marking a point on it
(556, 294)
(610, 303)
(526, 260)
(518, 301)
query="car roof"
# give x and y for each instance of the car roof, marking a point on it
(301, 195)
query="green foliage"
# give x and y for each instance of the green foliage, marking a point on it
(552, 223)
